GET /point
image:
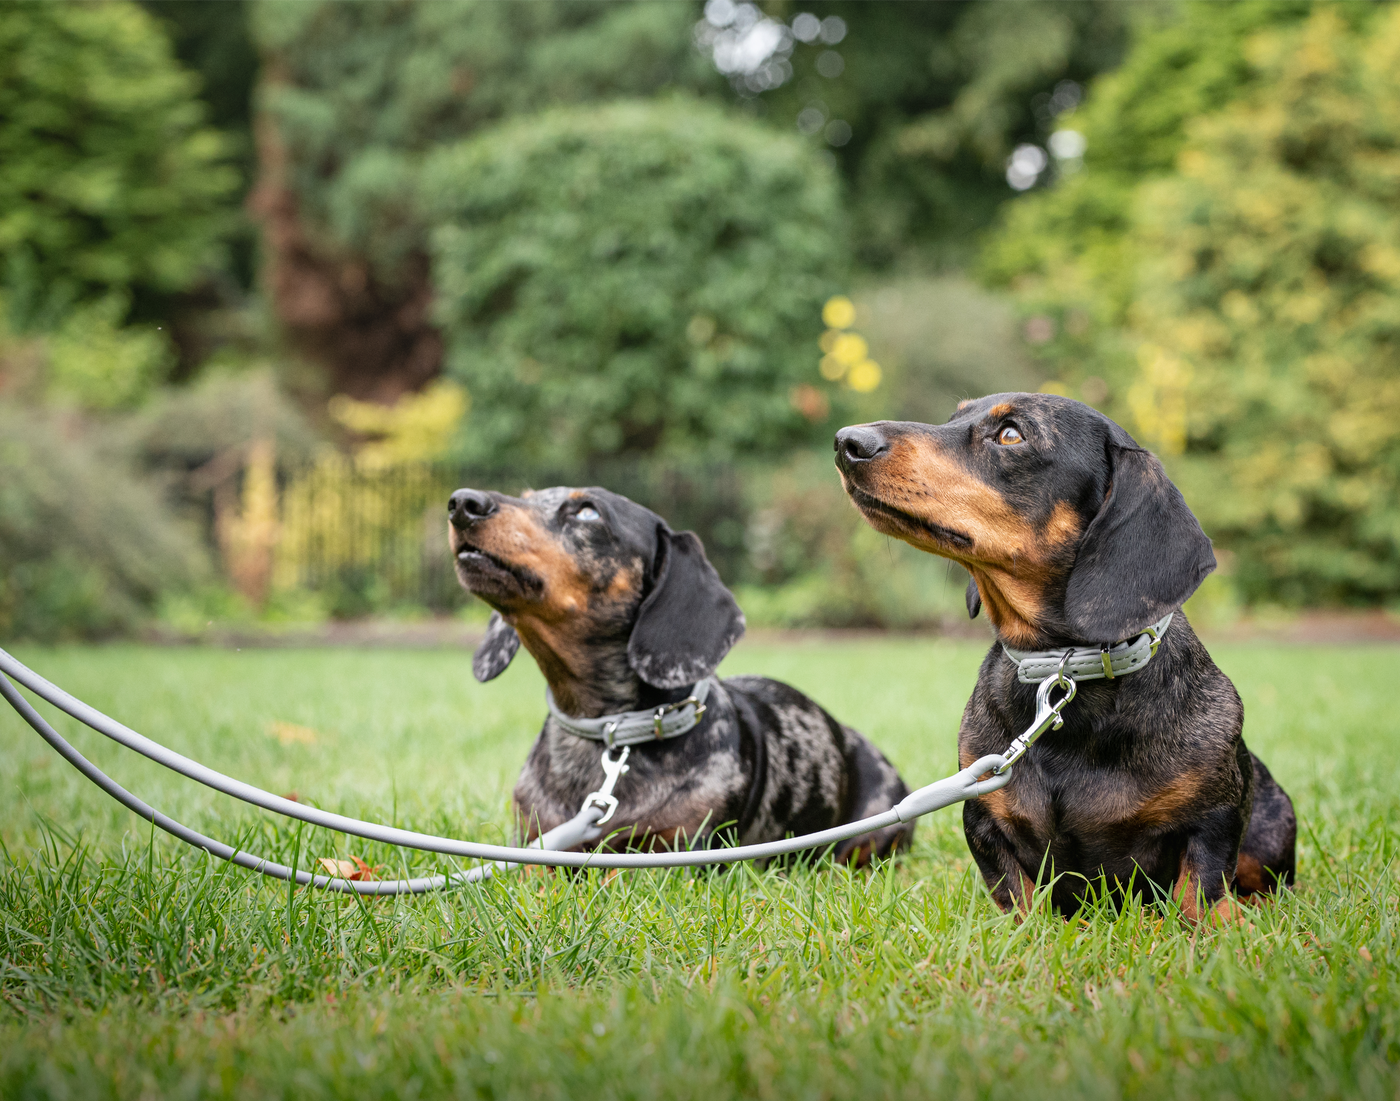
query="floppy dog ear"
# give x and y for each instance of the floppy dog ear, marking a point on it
(973, 598)
(1141, 556)
(496, 649)
(688, 621)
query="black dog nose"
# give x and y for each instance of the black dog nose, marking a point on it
(468, 505)
(860, 443)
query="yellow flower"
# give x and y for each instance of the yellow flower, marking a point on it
(850, 349)
(839, 312)
(864, 376)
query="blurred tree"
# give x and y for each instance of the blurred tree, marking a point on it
(214, 40)
(113, 187)
(1268, 297)
(355, 94)
(1067, 241)
(635, 279)
(921, 104)
(1242, 293)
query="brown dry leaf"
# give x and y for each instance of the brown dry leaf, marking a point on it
(353, 869)
(292, 734)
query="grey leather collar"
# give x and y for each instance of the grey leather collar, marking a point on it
(1087, 663)
(632, 727)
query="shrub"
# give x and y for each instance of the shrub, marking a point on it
(818, 564)
(356, 94)
(634, 279)
(86, 548)
(1237, 288)
(1268, 300)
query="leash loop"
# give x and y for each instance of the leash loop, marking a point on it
(557, 848)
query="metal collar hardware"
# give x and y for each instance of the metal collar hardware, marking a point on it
(603, 798)
(1047, 714)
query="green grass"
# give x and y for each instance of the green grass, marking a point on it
(133, 967)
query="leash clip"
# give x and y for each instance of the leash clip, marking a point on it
(1047, 714)
(604, 798)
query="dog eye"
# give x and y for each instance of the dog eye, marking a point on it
(1010, 435)
(588, 512)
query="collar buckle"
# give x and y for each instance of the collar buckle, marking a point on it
(666, 709)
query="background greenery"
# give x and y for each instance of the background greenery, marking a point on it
(134, 966)
(1224, 278)
(613, 227)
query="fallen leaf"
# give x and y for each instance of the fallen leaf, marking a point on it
(292, 734)
(353, 869)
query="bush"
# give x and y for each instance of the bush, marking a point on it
(635, 279)
(1063, 246)
(1237, 289)
(356, 94)
(1268, 300)
(818, 564)
(112, 186)
(86, 548)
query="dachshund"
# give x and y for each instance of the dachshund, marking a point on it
(1076, 538)
(623, 614)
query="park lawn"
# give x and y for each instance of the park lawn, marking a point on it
(131, 966)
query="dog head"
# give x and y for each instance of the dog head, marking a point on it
(614, 606)
(1071, 531)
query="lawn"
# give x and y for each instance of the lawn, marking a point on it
(133, 967)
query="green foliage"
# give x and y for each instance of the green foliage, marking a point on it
(1071, 237)
(632, 279)
(112, 185)
(85, 548)
(214, 40)
(813, 562)
(95, 361)
(358, 92)
(1269, 303)
(1236, 289)
(137, 966)
(936, 96)
(225, 410)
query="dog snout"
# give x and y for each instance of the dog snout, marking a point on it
(467, 506)
(859, 443)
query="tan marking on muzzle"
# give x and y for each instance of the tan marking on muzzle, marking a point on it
(1011, 560)
(516, 536)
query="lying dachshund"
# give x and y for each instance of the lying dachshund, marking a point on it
(1075, 538)
(624, 615)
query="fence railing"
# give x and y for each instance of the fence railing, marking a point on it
(368, 537)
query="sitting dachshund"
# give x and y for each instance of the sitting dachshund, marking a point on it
(1075, 537)
(623, 614)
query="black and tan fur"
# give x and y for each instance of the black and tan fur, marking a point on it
(1074, 536)
(621, 613)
